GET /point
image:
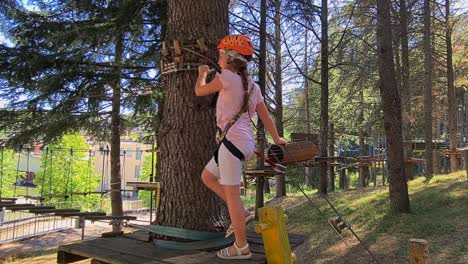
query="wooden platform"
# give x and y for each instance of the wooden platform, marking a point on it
(134, 248)
(144, 186)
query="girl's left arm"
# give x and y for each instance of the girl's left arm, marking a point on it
(262, 112)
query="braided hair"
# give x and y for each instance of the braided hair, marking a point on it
(240, 67)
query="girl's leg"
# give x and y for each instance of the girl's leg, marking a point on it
(212, 182)
(236, 209)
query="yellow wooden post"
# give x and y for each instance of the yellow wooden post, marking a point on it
(272, 226)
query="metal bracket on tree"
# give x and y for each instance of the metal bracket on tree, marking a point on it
(178, 57)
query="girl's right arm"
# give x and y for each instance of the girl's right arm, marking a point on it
(201, 87)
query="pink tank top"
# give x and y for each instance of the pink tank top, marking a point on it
(230, 101)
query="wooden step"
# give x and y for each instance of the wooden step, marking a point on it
(64, 196)
(67, 214)
(30, 197)
(40, 210)
(145, 186)
(9, 205)
(2, 199)
(110, 217)
(22, 208)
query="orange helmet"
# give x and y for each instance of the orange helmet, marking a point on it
(239, 43)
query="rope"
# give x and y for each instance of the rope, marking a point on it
(51, 169)
(27, 172)
(17, 171)
(1, 171)
(44, 174)
(88, 183)
(68, 174)
(122, 168)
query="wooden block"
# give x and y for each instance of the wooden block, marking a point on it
(165, 50)
(177, 51)
(419, 251)
(112, 234)
(201, 45)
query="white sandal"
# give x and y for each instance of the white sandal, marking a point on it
(249, 218)
(224, 253)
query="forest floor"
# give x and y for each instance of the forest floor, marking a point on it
(439, 213)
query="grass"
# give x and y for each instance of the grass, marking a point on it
(439, 213)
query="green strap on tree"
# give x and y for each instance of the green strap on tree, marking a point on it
(202, 239)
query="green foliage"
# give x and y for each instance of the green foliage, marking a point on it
(145, 176)
(58, 66)
(66, 168)
(8, 165)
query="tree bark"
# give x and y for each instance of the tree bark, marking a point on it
(331, 169)
(428, 89)
(324, 97)
(187, 129)
(280, 180)
(399, 200)
(452, 112)
(308, 176)
(405, 94)
(363, 171)
(115, 181)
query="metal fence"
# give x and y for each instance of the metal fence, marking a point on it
(17, 225)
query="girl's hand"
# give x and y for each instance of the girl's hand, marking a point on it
(204, 70)
(280, 141)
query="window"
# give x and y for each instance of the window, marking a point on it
(137, 171)
(129, 153)
(138, 153)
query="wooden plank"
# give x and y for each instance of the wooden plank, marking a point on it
(110, 217)
(8, 199)
(67, 257)
(123, 250)
(67, 214)
(172, 256)
(20, 208)
(6, 205)
(148, 186)
(103, 254)
(138, 235)
(50, 211)
(131, 248)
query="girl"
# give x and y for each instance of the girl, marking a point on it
(239, 98)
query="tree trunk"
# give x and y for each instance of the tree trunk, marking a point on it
(405, 89)
(308, 176)
(399, 200)
(280, 180)
(262, 83)
(324, 97)
(452, 112)
(187, 130)
(363, 171)
(428, 89)
(331, 170)
(116, 198)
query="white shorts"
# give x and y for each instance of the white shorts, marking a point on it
(229, 167)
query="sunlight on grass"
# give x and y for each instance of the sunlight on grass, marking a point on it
(438, 210)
